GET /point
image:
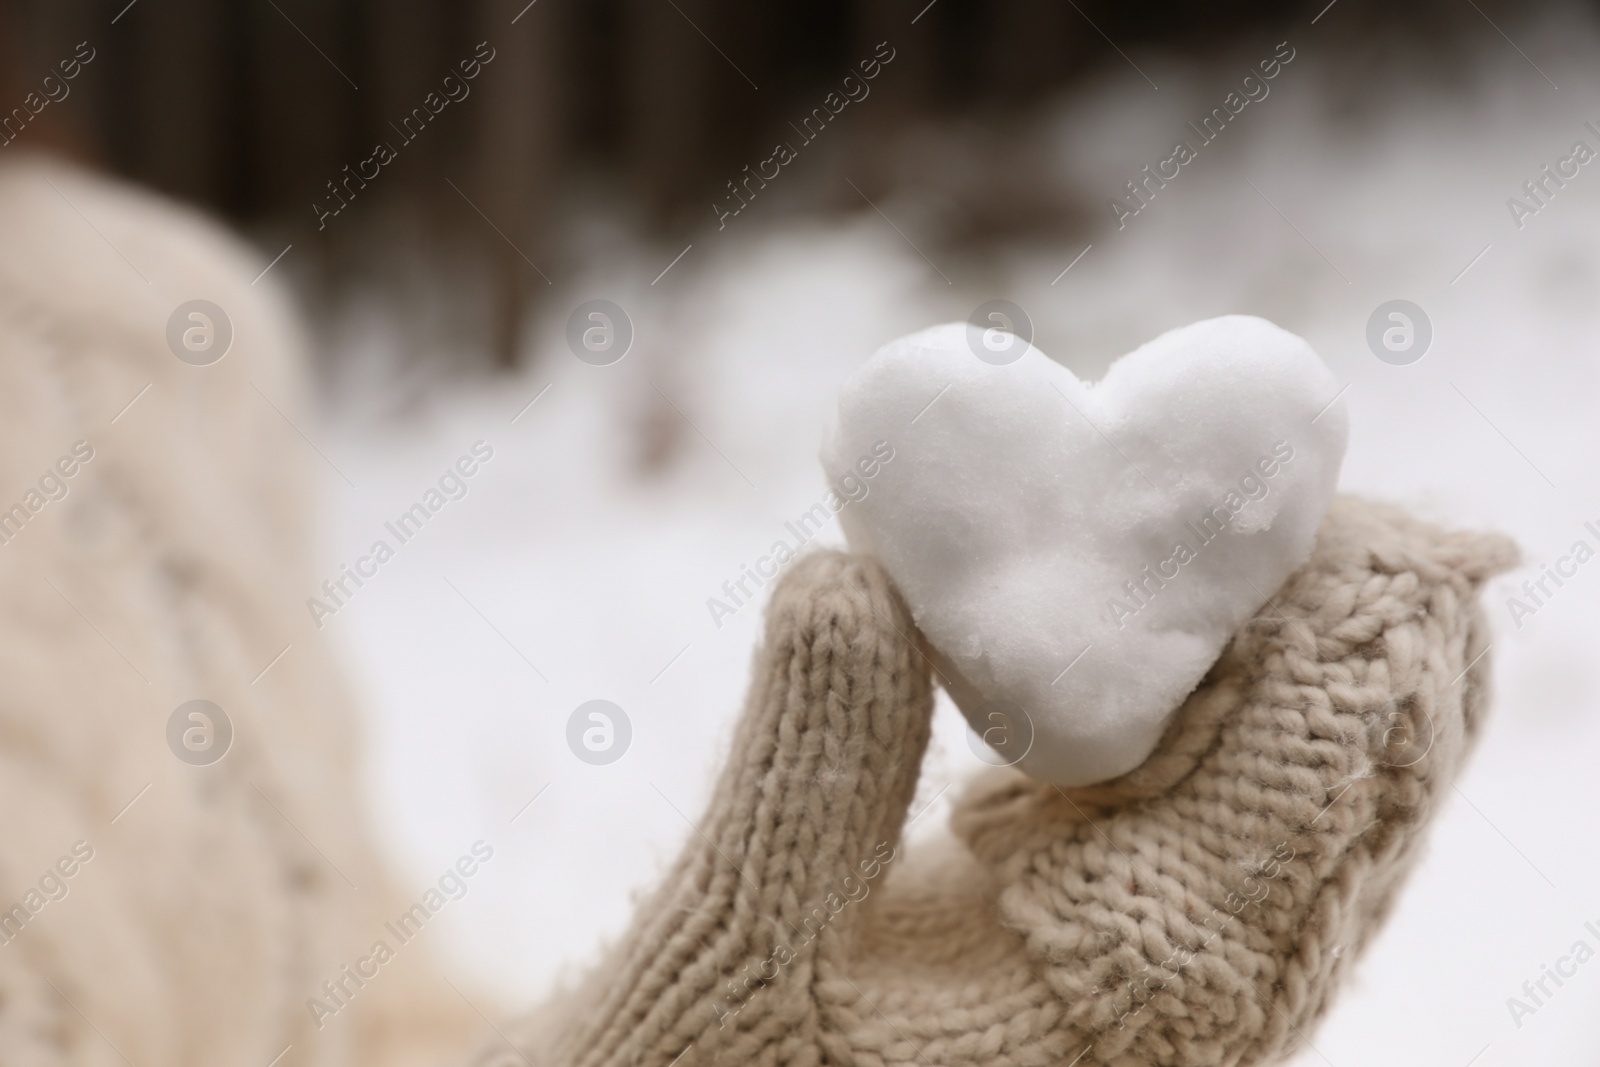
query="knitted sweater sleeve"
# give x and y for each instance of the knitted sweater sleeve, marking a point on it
(1198, 911)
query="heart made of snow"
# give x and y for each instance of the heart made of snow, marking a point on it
(1079, 554)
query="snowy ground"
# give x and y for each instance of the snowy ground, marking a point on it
(576, 569)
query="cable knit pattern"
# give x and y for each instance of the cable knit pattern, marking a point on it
(173, 567)
(1200, 910)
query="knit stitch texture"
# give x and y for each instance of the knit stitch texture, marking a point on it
(173, 566)
(1198, 911)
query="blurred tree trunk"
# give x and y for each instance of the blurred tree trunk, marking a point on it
(519, 140)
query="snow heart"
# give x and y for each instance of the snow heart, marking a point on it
(1078, 554)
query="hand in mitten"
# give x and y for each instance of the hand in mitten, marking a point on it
(1200, 910)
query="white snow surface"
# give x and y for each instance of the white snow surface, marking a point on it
(1079, 554)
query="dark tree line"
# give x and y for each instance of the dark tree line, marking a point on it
(252, 107)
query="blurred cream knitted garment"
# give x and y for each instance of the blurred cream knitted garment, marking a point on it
(216, 899)
(1198, 911)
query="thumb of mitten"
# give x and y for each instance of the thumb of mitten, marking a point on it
(758, 911)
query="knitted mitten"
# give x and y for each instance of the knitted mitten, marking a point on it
(1200, 910)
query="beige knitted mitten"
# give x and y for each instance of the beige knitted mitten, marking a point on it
(1200, 910)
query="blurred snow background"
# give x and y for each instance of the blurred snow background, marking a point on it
(579, 565)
